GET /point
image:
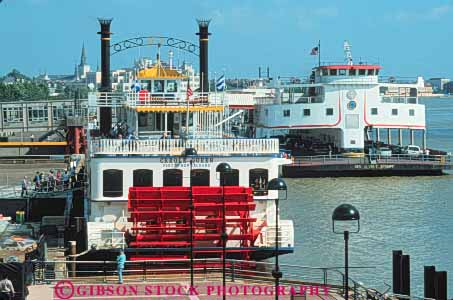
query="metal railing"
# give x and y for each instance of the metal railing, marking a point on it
(108, 239)
(134, 99)
(401, 80)
(442, 160)
(177, 146)
(285, 234)
(399, 99)
(205, 270)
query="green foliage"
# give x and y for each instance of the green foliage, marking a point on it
(16, 75)
(26, 91)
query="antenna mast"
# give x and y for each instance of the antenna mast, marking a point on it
(347, 53)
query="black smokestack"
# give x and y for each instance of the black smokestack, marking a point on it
(106, 84)
(259, 72)
(203, 26)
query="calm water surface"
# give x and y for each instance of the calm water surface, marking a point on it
(413, 214)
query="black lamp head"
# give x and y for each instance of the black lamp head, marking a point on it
(277, 184)
(345, 212)
(223, 168)
(190, 152)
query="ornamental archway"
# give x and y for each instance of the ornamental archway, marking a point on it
(161, 41)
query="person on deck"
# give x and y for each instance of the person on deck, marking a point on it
(121, 260)
(37, 181)
(24, 186)
(65, 179)
(6, 288)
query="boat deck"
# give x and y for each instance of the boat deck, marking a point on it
(171, 288)
(349, 166)
(170, 279)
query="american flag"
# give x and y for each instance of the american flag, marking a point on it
(314, 51)
(189, 90)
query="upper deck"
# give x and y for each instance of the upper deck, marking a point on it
(176, 147)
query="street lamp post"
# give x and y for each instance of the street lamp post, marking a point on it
(223, 168)
(278, 185)
(191, 152)
(346, 213)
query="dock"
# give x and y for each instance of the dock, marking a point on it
(365, 165)
(171, 279)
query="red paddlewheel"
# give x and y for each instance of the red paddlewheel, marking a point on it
(161, 218)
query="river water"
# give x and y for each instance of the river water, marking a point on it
(413, 214)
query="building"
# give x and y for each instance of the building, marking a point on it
(438, 84)
(448, 88)
(94, 78)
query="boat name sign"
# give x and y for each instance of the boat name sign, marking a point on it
(181, 162)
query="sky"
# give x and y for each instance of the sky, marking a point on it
(407, 37)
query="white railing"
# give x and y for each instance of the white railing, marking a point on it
(108, 99)
(290, 99)
(285, 235)
(133, 99)
(236, 99)
(177, 146)
(108, 239)
(266, 100)
(398, 99)
(345, 79)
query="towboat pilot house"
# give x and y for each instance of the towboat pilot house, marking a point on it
(161, 155)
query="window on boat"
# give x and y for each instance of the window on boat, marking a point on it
(158, 86)
(143, 177)
(258, 179)
(286, 113)
(342, 72)
(172, 86)
(112, 183)
(376, 72)
(362, 72)
(307, 112)
(383, 90)
(199, 177)
(352, 72)
(329, 111)
(147, 85)
(333, 72)
(172, 177)
(266, 112)
(230, 178)
(325, 72)
(411, 112)
(374, 111)
(413, 92)
(370, 72)
(394, 111)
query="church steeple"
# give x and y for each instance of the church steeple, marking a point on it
(83, 57)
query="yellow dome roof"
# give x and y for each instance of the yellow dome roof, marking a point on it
(159, 72)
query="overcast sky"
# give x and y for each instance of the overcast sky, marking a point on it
(408, 38)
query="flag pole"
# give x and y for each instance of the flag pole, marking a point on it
(319, 53)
